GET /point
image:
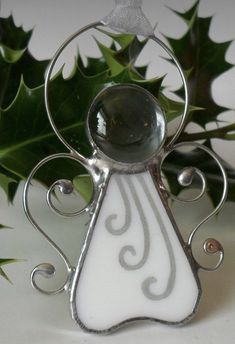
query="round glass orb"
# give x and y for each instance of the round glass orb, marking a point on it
(127, 123)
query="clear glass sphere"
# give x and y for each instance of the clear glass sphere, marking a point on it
(127, 123)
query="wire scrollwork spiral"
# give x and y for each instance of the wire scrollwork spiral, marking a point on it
(185, 178)
(47, 270)
(65, 187)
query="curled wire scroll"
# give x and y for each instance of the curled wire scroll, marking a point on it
(66, 187)
(185, 178)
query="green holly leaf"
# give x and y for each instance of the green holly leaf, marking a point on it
(9, 185)
(12, 36)
(204, 60)
(93, 67)
(4, 275)
(10, 55)
(124, 40)
(84, 186)
(16, 61)
(117, 59)
(110, 58)
(4, 227)
(13, 65)
(32, 137)
(173, 108)
(7, 261)
(4, 262)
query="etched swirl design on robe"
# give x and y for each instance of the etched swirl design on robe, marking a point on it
(127, 250)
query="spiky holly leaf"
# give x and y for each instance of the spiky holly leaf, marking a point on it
(204, 59)
(12, 36)
(118, 58)
(9, 185)
(4, 275)
(109, 55)
(5, 227)
(32, 137)
(94, 66)
(12, 69)
(16, 60)
(124, 40)
(173, 108)
(6, 262)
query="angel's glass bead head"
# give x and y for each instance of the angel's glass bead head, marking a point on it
(127, 124)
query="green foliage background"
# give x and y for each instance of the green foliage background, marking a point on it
(26, 136)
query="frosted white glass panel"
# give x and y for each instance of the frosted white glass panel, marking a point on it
(135, 265)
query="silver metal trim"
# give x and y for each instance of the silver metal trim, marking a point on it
(186, 100)
(48, 78)
(45, 269)
(215, 211)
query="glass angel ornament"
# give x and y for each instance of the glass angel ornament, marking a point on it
(134, 264)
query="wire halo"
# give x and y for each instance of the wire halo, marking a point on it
(77, 34)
